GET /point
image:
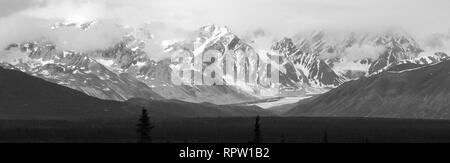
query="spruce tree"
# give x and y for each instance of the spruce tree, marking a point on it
(325, 138)
(283, 140)
(257, 131)
(144, 128)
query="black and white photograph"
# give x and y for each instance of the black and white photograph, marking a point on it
(245, 72)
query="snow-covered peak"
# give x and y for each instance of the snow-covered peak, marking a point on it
(285, 46)
(317, 42)
(394, 39)
(213, 30)
(428, 60)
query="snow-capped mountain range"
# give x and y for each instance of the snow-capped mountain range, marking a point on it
(78, 71)
(125, 71)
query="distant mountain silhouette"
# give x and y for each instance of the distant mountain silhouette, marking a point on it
(24, 96)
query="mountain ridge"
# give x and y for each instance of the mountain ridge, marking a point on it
(125, 71)
(26, 97)
(418, 93)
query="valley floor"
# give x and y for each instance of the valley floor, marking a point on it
(280, 102)
(232, 130)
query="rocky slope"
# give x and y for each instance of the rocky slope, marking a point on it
(78, 71)
(412, 93)
(26, 97)
(382, 50)
(305, 67)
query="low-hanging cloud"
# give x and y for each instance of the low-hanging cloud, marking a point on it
(260, 40)
(115, 19)
(99, 36)
(436, 43)
(16, 29)
(355, 53)
(20, 28)
(14, 56)
(162, 35)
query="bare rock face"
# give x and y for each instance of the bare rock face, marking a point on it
(398, 48)
(305, 66)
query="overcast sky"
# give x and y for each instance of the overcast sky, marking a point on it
(278, 18)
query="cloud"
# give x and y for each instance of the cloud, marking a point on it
(436, 43)
(13, 56)
(355, 53)
(259, 39)
(282, 19)
(34, 22)
(100, 36)
(285, 18)
(259, 33)
(68, 9)
(328, 55)
(162, 34)
(263, 43)
(22, 28)
(11, 7)
(346, 65)
(18, 28)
